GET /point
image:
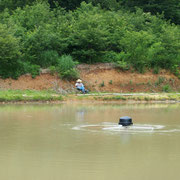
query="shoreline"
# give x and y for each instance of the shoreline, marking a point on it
(85, 102)
(51, 97)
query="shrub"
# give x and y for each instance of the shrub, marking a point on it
(110, 56)
(66, 68)
(119, 59)
(33, 69)
(156, 70)
(160, 80)
(70, 74)
(166, 88)
(175, 70)
(102, 84)
(52, 70)
(122, 65)
(110, 82)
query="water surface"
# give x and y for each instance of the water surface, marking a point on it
(78, 142)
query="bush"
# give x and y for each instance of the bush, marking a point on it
(122, 65)
(160, 80)
(52, 70)
(112, 56)
(156, 70)
(66, 68)
(166, 88)
(70, 74)
(102, 84)
(33, 69)
(175, 70)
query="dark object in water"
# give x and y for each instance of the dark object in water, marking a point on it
(125, 121)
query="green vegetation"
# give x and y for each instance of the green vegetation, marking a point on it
(160, 80)
(114, 98)
(130, 34)
(9, 53)
(166, 88)
(28, 95)
(170, 8)
(66, 68)
(44, 96)
(136, 97)
(52, 70)
(102, 84)
(110, 82)
(122, 65)
(130, 82)
(33, 69)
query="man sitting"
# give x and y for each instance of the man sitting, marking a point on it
(79, 85)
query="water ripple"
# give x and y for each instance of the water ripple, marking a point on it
(136, 128)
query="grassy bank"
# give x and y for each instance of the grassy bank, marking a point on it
(28, 95)
(43, 96)
(130, 97)
(141, 97)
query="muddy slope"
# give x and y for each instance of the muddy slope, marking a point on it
(101, 78)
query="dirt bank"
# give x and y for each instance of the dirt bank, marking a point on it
(100, 78)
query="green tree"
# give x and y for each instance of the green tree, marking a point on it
(88, 37)
(9, 53)
(37, 35)
(171, 8)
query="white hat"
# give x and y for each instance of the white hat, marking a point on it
(79, 80)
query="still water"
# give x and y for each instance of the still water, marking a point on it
(84, 142)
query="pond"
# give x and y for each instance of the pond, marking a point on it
(85, 142)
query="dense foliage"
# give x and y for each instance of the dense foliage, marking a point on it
(170, 8)
(40, 33)
(66, 68)
(9, 53)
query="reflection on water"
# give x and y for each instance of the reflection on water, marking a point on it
(83, 141)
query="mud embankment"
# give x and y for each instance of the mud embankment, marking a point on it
(99, 78)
